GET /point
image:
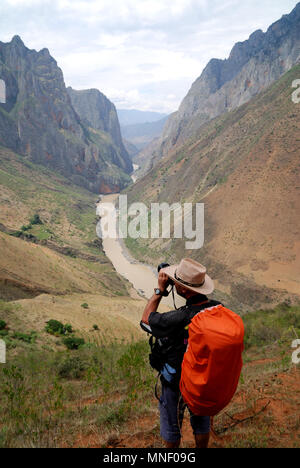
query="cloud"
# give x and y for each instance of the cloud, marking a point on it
(140, 53)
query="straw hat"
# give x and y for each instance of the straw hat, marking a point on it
(192, 275)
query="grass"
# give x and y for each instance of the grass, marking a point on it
(42, 406)
(265, 327)
(65, 209)
(93, 395)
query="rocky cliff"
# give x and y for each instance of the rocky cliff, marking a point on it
(39, 121)
(224, 85)
(99, 114)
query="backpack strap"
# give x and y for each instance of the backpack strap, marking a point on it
(197, 308)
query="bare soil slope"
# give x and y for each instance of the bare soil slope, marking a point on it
(245, 167)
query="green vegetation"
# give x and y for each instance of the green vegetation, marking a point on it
(265, 327)
(35, 220)
(54, 327)
(66, 398)
(27, 338)
(50, 210)
(85, 305)
(67, 210)
(41, 406)
(13, 331)
(73, 342)
(36, 228)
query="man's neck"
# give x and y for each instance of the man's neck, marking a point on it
(196, 299)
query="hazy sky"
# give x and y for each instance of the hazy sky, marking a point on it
(142, 54)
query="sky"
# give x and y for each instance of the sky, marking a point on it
(142, 54)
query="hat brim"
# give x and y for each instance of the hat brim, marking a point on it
(207, 288)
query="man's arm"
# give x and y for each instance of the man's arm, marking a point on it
(152, 306)
(154, 302)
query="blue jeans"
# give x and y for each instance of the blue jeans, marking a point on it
(171, 407)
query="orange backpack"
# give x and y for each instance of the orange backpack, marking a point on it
(212, 363)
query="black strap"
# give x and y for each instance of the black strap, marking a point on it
(196, 309)
(155, 388)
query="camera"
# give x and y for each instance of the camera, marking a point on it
(165, 265)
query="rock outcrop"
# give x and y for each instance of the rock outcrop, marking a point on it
(39, 121)
(99, 113)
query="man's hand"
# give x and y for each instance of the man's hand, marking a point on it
(163, 280)
(153, 303)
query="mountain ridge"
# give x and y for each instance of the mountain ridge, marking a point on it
(39, 122)
(224, 85)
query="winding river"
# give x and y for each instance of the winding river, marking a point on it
(143, 277)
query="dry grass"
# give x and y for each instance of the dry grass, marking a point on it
(41, 269)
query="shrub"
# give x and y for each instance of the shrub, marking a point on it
(54, 327)
(68, 328)
(17, 233)
(72, 342)
(36, 219)
(72, 368)
(265, 327)
(95, 327)
(85, 305)
(2, 324)
(25, 337)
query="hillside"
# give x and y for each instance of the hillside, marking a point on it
(53, 265)
(224, 85)
(245, 167)
(102, 395)
(39, 122)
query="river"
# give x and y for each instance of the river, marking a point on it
(143, 277)
(135, 169)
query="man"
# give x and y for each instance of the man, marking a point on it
(193, 284)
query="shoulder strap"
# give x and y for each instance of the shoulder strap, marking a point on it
(195, 309)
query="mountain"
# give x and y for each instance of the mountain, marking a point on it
(142, 134)
(133, 116)
(39, 122)
(244, 166)
(225, 85)
(141, 127)
(100, 117)
(131, 149)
